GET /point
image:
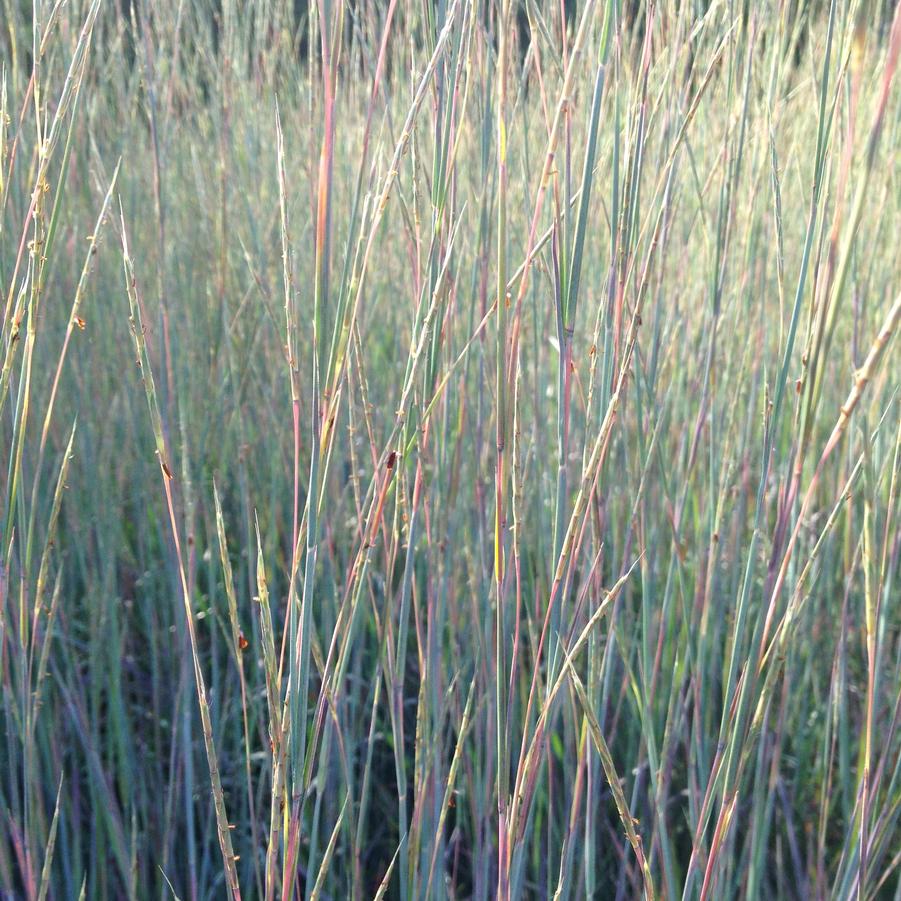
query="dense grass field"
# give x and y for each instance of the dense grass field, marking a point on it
(450, 449)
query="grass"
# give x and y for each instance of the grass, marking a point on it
(505, 499)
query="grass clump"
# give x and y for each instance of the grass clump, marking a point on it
(505, 499)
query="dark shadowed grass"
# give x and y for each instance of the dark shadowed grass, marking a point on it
(505, 499)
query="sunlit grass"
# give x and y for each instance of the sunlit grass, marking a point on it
(505, 499)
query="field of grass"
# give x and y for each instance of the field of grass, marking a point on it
(505, 501)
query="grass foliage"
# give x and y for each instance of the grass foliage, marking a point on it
(505, 499)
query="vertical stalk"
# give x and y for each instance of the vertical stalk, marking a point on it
(500, 522)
